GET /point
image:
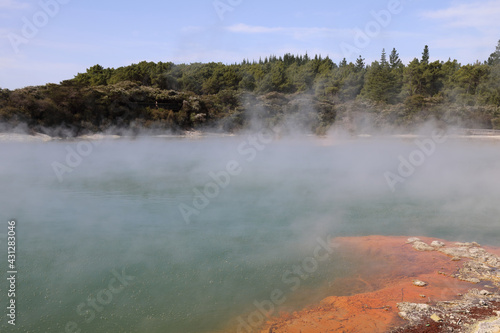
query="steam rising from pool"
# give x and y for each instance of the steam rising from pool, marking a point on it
(107, 248)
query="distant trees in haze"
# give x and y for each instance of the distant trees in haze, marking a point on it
(387, 80)
(181, 96)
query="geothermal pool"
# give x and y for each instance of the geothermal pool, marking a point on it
(185, 235)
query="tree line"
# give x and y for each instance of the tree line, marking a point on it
(314, 92)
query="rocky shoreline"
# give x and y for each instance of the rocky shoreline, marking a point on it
(433, 286)
(477, 311)
(40, 137)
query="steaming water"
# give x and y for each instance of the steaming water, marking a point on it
(117, 213)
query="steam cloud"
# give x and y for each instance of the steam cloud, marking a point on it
(118, 209)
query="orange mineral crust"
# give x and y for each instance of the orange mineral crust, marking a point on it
(390, 270)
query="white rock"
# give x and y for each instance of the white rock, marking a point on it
(421, 246)
(419, 283)
(437, 244)
(412, 239)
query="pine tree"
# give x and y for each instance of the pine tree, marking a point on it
(425, 55)
(413, 78)
(360, 64)
(494, 58)
(380, 84)
(394, 60)
(383, 59)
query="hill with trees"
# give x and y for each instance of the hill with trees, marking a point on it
(311, 93)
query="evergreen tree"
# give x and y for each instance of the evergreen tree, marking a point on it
(494, 58)
(425, 55)
(489, 89)
(383, 59)
(306, 58)
(279, 78)
(94, 76)
(432, 78)
(380, 82)
(360, 63)
(394, 60)
(468, 78)
(412, 79)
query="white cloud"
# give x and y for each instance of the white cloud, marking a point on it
(478, 14)
(13, 4)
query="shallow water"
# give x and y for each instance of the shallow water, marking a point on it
(105, 247)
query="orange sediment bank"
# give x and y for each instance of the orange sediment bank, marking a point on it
(390, 270)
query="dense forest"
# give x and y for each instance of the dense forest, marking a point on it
(290, 91)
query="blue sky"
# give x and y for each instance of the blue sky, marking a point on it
(44, 41)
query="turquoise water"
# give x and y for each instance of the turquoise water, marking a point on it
(105, 248)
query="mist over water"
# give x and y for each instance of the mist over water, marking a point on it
(117, 214)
